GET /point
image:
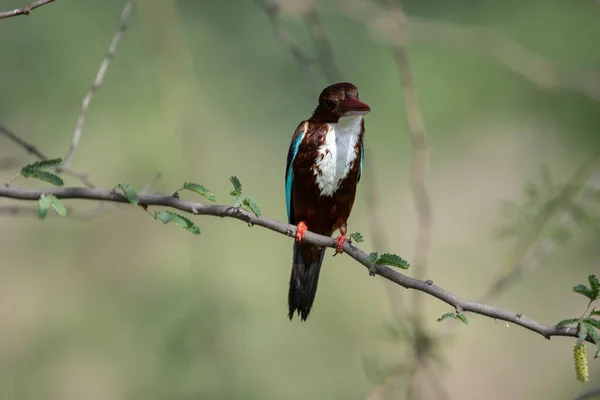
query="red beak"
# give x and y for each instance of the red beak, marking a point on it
(353, 106)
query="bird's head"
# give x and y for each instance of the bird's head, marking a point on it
(337, 101)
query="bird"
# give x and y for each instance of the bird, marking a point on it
(324, 166)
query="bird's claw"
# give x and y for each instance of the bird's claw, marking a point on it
(339, 244)
(300, 231)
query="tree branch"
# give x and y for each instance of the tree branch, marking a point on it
(97, 82)
(145, 200)
(31, 149)
(25, 10)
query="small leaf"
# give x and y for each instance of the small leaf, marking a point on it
(393, 260)
(595, 286)
(583, 290)
(41, 164)
(199, 189)
(43, 204)
(357, 237)
(180, 220)
(237, 186)
(446, 316)
(239, 200)
(566, 322)
(596, 338)
(58, 206)
(592, 322)
(595, 312)
(44, 176)
(251, 206)
(462, 318)
(372, 257)
(129, 192)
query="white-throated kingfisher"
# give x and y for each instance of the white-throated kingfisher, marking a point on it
(324, 165)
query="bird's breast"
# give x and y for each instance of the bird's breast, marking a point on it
(336, 155)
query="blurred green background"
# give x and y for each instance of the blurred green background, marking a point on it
(121, 307)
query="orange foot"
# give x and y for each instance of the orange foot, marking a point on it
(300, 231)
(339, 243)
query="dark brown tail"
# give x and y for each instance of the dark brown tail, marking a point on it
(306, 266)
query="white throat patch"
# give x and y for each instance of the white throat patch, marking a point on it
(336, 154)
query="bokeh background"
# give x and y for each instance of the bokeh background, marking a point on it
(120, 307)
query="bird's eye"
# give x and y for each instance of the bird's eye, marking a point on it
(329, 103)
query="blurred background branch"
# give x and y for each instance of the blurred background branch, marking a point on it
(25, 10)
(98, 81)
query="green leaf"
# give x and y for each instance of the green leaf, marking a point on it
(357, 237)
(592, 332)
(592, 321)
(583, 290)
(43, 176)
(129, 192)
(180, 220)
(239, 200)
(237, 186)
(58, 206)
(199, 189)
(582, 334)
(251, 206)
(566, 322)
(372, 257)
(594, 285)
(462, 318)
(41, 164)
(393, 260)
(595, 312)
(446, 316)
(43, 204)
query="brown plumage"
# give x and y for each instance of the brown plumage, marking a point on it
(309, 204)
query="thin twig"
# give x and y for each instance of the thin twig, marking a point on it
(25, 10)
(544, 73)
(421, 197)
(97, 82)
(420, 163)
(323, 47)
(31, 149)
(290, 230)
(286, 38)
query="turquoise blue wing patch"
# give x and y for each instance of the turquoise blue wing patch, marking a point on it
(289, 170)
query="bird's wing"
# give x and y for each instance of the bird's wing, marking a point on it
(362, 158)
(289, 169)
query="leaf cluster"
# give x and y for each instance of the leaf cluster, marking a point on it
(459, 316)
(242, 200)
(587, 324)
(45, 202)
(387, 259)
(39, 170)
